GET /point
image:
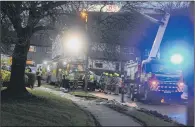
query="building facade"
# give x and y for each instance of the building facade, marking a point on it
(39, 54)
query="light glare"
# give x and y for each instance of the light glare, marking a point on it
(176, 59)
(73, 44)
(45, 62)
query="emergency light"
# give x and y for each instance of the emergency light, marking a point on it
(176, 59)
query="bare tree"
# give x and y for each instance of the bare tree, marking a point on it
(114, 29)
(28, 18)
(169, 6)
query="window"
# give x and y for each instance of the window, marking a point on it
(99, 65)
(48, 50)
(32, 49)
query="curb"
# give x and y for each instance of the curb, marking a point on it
(149, 112)
(124, 111)
(95, 97)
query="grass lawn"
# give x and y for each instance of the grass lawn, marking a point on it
(78, 93)
(46, 109)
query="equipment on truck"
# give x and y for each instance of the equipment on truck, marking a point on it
(153, 80)
(74, 73)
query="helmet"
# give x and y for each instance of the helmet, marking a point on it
(106, 74)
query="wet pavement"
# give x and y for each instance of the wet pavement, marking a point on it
(175, 111)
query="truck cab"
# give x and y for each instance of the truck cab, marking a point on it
(156, 80)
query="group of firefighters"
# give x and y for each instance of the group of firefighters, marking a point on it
(110, 83)
(38, 74)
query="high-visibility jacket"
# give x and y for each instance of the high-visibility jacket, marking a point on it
(70, 77)
(39, 72)
(91, 78)
(27, 70)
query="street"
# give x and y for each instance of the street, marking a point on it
(175, 111)
(142, 48)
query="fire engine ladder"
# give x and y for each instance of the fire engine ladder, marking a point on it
(159, 36)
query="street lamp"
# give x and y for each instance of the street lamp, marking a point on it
(84, 16)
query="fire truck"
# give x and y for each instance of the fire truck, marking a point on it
(153, 79)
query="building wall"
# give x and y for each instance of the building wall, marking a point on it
(40, 54)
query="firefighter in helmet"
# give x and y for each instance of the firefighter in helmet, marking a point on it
(107, 88)
(104, 83)
(117, 84)
(91, 81)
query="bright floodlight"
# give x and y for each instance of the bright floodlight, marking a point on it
(73, 44)
(176, 59)
(45, 62)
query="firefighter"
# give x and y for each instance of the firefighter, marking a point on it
(117, 83)
(104, 84)
(39, 73)
(65, 83)
(101, 82)
(28, 70)
(91, 82)
(107, 88)
(127, 81)
(49, 76)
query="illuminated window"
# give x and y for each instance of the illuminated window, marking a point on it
(32, 49)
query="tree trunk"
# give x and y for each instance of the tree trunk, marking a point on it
(19, 57)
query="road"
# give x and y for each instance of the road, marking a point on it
(175, 111)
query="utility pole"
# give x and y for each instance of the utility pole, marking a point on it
(84, 16)
(86, 60)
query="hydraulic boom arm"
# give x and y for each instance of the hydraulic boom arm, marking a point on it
(159, 36)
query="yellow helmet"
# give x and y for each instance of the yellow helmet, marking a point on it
(106, 74)
(110, 75)
(116, 74)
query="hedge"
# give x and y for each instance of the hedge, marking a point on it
(29, 78)
(5, 75)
